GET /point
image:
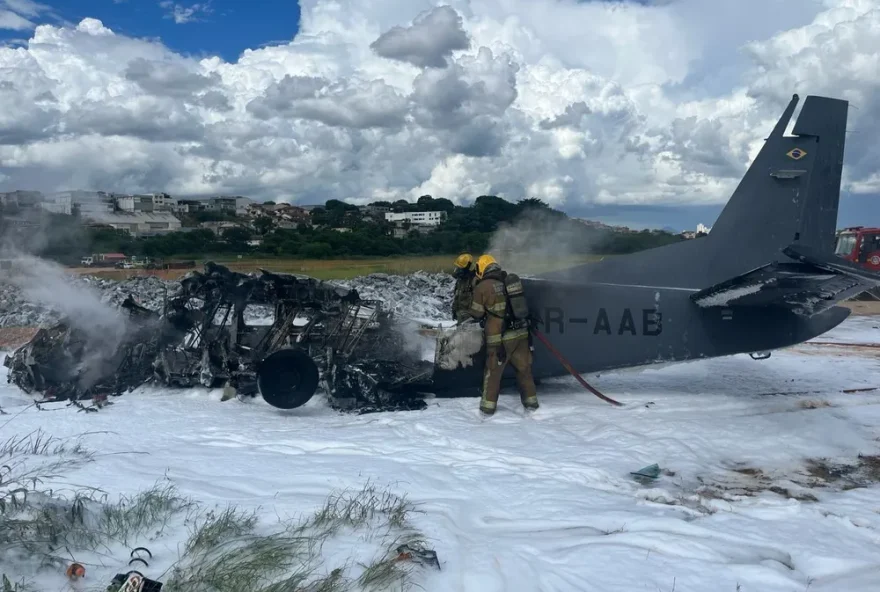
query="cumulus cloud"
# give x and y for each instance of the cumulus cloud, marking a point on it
(182, 14)
(429, 41)
(570, 102)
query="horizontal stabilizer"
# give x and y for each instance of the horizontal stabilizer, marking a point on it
(807, 286)
(833, 263)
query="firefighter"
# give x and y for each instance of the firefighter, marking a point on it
(465, 277)
(507, 337)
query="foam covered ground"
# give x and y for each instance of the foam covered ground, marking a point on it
(547, 503)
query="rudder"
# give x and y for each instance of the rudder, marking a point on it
(824, 119)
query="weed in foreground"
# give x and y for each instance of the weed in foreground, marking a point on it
(227, 549)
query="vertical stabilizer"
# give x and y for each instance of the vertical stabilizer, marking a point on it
(789, 196)
(791, 192)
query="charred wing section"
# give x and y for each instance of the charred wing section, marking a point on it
(320, 334)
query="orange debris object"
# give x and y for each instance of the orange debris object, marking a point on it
(76, 571)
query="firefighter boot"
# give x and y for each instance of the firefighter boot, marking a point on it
(491, 382)
(521, 360)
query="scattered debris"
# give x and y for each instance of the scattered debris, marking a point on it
(14, 337)
(75, 571)
(419, 295)
(133, 581)
(814, 404)
(319, 332)
(846, 475)
(419, 556)
(802, 484)
(649, 472)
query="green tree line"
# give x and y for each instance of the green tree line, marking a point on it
(66, 239)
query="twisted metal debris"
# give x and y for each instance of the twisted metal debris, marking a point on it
(320, 333)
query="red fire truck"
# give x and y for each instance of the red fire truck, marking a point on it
(860, 245)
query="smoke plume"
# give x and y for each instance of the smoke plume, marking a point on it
(416, 345)
(539, 238)
(102, 328)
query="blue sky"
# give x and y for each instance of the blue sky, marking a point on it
(710, 65)
(855, 210)
(210, 27)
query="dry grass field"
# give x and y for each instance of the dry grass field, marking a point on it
(334, 269)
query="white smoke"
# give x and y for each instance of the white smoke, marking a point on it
(538, 238)
(102, 327)
(419, 340)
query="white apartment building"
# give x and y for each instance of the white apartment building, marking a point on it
(703, 228)
(60, 203)
(87, 202)
(417, 218)
(241, 205)
(136, 223)
(146, 202)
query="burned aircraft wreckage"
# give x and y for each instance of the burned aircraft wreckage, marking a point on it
(321, 334)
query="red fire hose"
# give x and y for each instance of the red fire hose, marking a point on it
(573, 372)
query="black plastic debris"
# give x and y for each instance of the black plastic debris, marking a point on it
(420, 556)
(647, 474)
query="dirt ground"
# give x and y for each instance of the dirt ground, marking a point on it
(864, 307)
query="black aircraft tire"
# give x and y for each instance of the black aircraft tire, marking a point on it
(287, 378)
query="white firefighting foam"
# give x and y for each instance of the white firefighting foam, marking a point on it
(545, 502)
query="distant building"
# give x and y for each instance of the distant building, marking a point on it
(190, 206)
(241, 205)
(58, 204)
(139, 203)
(292, 213)
(702, 228)
(21, 198)
(280, 212)
(374, 211)
(217, 227)
(256, 210)
(136, 223)
(86, 202)
(222, 204)
(153, 202)
(417, 218)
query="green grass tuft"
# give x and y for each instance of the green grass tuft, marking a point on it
(227, 550)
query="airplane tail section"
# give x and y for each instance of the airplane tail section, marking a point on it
(791, 192)
(788, 198)
(781, 221)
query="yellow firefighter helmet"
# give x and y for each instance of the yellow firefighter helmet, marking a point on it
(483, 263)
(464, 261)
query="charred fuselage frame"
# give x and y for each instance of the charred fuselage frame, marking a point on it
(320, 333)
